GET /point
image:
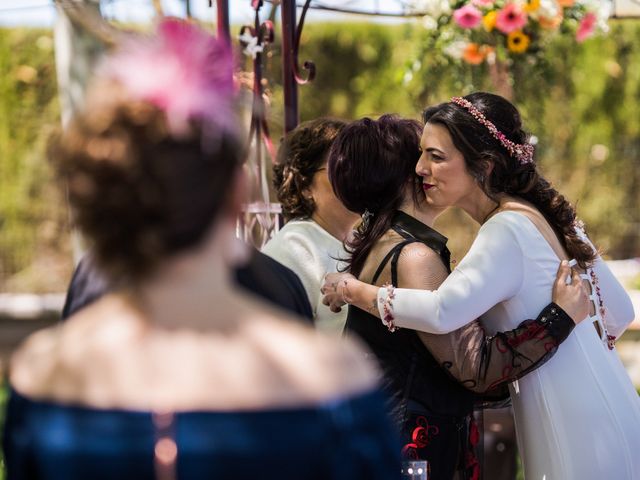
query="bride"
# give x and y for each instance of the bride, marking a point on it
(577, 416)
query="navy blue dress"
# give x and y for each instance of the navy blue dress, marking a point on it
(348, 439)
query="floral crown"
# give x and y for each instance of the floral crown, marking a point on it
(521, 152)
(182, 70)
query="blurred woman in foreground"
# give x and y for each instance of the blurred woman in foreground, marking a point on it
(178, 374)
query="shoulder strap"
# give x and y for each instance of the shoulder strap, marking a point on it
(396, 258)
(394, 255)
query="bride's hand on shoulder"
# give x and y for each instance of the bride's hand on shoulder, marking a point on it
(572, 296)
(335, 290)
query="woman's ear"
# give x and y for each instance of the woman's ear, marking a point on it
(488, 167)
(307, 193)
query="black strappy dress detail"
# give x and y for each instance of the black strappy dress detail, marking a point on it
(432, 411)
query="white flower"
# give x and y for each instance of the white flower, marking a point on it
(250, 42)
(548, 9)
(455, 49)
(603, 13)
(433, 8)
(429, 23)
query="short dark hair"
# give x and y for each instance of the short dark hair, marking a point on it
(370, 164)
(302, 152)
(138, 193)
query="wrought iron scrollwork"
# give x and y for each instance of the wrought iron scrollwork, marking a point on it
(308, 65)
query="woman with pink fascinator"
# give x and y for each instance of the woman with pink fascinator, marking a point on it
(577, 416)
(177, 373)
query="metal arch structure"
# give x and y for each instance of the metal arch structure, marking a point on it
(262, 217)
(291, 32)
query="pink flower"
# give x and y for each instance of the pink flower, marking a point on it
(511, 18)
(482, 3)
(587, 27)
(468, 16)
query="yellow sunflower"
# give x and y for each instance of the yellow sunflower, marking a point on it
(518, 42)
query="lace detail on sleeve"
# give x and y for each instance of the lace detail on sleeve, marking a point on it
(482, 363)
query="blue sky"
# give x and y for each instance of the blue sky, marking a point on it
(42, 12)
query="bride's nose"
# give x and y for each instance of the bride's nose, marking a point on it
(423, 167)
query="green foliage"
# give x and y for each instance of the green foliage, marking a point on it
(30, 210)
(581, 104)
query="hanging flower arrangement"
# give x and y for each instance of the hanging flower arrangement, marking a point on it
(479, 31)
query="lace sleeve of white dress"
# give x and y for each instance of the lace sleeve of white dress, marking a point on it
(490, 273)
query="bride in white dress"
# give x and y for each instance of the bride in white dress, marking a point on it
(578, 416)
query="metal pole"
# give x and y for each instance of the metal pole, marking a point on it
(224, 29)
(288, 12)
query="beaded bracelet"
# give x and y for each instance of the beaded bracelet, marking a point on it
(387, 308)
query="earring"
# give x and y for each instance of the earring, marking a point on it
(366, 217)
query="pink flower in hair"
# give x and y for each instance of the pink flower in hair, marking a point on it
(511, 18)
(467, 16)
(587, 27)
(182, 70)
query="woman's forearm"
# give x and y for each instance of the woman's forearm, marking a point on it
(361, 295)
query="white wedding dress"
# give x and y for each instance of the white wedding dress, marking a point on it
(578, 415)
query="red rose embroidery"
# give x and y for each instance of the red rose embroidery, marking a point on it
(420, 437)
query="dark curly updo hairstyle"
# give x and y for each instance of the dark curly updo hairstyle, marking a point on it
(139, 193)
(484, 153)
(302, 152)
(371, 162)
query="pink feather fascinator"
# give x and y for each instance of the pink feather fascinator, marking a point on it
(183, 70)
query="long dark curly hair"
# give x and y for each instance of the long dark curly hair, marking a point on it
(483, 153)
(302, 152)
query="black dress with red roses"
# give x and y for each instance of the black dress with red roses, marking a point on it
(432, 411)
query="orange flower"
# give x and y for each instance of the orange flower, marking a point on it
(476, 54)
(550, 23)
(566, 3)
